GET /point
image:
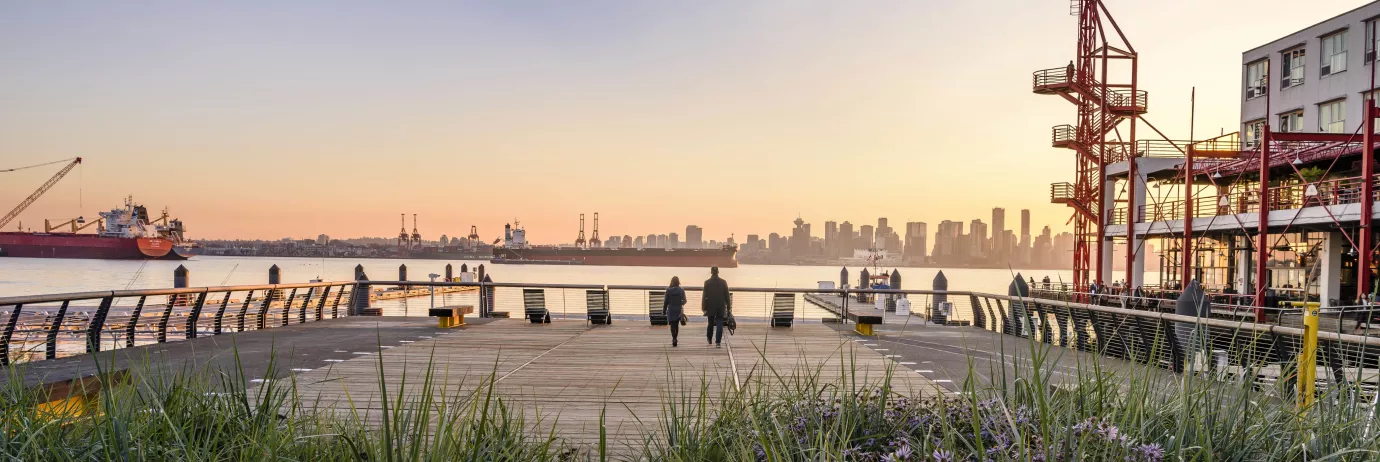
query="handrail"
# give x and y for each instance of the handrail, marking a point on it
(74, 296)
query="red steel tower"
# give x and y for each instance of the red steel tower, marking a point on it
(1103, 54)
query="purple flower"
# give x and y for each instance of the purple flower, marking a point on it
(941, 455)
(1148, 452)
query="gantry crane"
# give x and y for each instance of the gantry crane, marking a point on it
(580, 241)
(474, 237)
(39, 193)
(594, 239)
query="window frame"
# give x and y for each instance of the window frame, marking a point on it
(1329, 62)
(1291, 121)
(1371, 41)
(1291, 59)
(1257, 87)
(1253, 131)
(1324, 110)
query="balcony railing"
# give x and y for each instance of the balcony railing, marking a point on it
(1043, 80)
(1062, 135)
(1060, 193)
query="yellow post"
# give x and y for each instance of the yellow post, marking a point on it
(863, 329)
(1308, 356)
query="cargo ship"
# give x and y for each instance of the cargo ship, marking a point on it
(125, 233)
(515, 250)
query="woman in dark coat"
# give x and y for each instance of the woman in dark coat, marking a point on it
(674, 307)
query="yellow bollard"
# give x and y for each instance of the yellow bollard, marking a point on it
(1308, 357)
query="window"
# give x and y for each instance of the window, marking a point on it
(1255, 129)
(1334, 53)
(1293, 68)
(1256, 73)
(1291, 122)
(1332, 117)
(1368, 98)
(1371, 39)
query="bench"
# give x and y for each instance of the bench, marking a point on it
(862, 323)
(656, 307)
(534, 306)
(450, 316)
(782, 310)
(597, 307)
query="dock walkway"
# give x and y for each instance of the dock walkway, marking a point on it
(566, 374)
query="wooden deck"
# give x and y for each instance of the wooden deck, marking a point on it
(566, 373)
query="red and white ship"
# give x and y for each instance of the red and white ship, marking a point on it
(126, 233)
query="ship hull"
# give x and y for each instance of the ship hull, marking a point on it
(67, 245)
(686, 258)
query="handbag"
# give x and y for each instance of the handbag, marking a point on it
(683, 319)
(730, 322)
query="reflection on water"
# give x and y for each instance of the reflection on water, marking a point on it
(29, 276)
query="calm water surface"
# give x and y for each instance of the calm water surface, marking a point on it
(29, 276)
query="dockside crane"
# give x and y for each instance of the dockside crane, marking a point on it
(41, 189)
(474, 237)
(403, 238)
(594, 241)
(416, 237)
(580, 241)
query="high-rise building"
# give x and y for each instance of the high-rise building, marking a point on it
(998, 230)
(846, 242)
(675, 241)
(662, 241)
(800, 238)
(651, 242)
(978, 229)
(946, 245)
(694, 237)
(868, 237)
(915, 250)
(444, 240)
(831, 239)
(753, 244)
(639, 243)
(628, 242)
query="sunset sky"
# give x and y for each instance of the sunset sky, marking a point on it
(268, 119)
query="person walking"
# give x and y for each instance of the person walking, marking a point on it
(715, 304)
(674, 307)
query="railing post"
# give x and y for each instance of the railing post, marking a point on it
(979, 319)
(195, 315)
(220, 313)
(93, 328)
(335, 305)
(51, 344)
(244, 310)
(134, 321)
(1308, 357)
(8, 333)
(321, 305)
(287, 306)
(263, 310)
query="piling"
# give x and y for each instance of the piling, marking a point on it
(487, 303)
(361, 306)
(449, 276)
(275, 275)
(895, 279)
(939, 309)
(402, 275)
(843, 277)
(481, 276)
(181, 280)
(864, 282)
(464, 268)
(181, 277)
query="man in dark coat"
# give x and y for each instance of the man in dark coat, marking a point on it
(715, 305)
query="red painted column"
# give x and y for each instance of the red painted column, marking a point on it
(1185, 271)
(1262, 244)
(1363, 263)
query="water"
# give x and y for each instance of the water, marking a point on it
(32, 276)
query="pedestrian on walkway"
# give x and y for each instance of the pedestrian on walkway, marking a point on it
(674, 307)
(715, 305)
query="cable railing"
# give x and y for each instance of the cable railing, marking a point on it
(43, 327)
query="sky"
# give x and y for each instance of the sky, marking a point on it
(270, 119)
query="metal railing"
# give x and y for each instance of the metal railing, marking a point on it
(1303, 358)
(1063, 134)
(42, 327)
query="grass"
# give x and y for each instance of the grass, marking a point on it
(1136, 413)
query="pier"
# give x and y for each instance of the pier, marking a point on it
(585, 381)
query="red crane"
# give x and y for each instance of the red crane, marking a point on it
(41, 189)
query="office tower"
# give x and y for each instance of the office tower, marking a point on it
(638, 243)
(915, 242)
(868, 237)
(662, 241)
(831, 239)
(694, 237)
(651, 241)
(628, 241)
(324, 239)
(846, 242)
(800, 238)
(752, 243)
(998, 228)
(675, 241)
(978, 229)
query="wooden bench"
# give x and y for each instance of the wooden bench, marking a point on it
(450, 316)
(862, 323)
(597, 307)
(534, 306)
(782, 310)
(656, 307)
